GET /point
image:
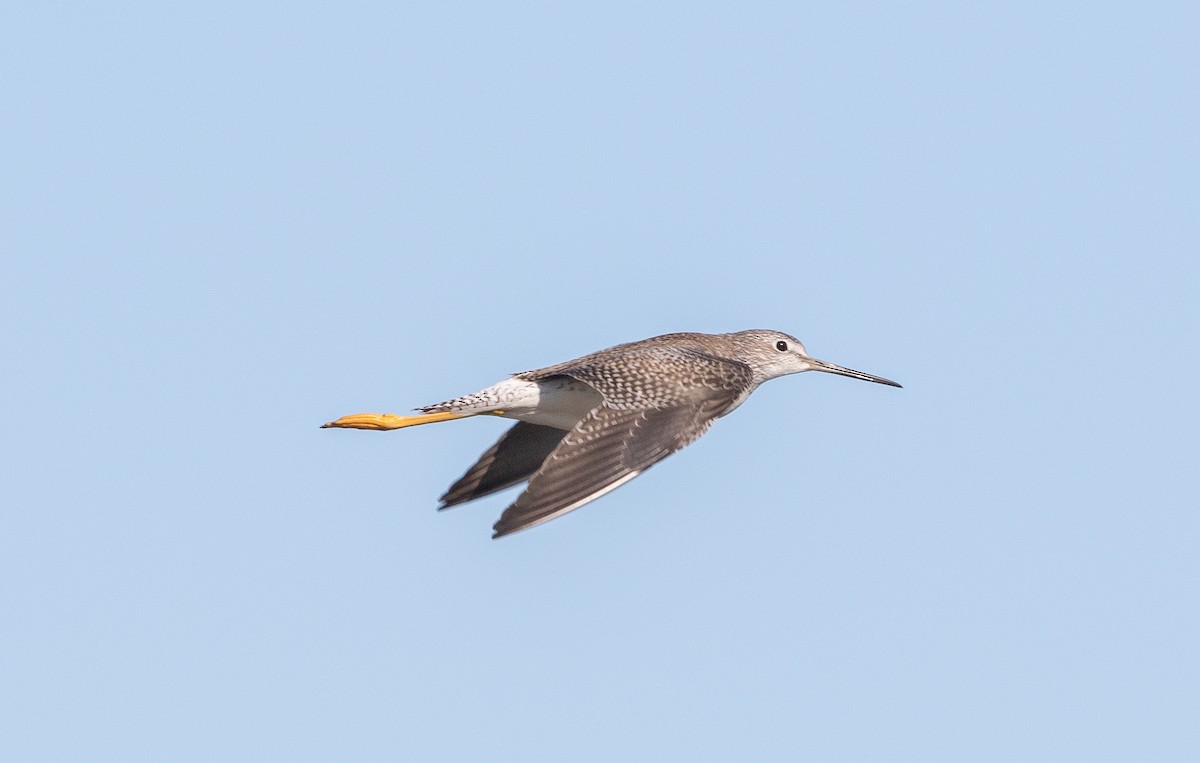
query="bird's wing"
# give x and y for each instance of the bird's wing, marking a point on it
(651, 376)
(606, 449)
(515, 456)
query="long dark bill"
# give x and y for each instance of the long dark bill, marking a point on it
(830, 368)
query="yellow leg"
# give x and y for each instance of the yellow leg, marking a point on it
(383, 421)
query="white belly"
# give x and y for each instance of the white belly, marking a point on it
(558, 403)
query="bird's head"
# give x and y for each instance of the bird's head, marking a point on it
(774, 353)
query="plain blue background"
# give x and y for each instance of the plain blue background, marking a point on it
(225, 223)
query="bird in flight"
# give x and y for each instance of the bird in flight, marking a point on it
(589, 425)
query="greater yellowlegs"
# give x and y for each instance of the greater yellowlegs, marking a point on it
(589, 425)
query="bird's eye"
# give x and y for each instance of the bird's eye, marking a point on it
(781, 346)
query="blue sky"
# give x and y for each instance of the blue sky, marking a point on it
(224, 224)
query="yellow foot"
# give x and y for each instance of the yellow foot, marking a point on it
(383, 421)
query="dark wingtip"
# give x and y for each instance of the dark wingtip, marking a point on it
(499, 530)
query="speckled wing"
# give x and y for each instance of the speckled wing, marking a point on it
(514, 458)
(646, 417)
